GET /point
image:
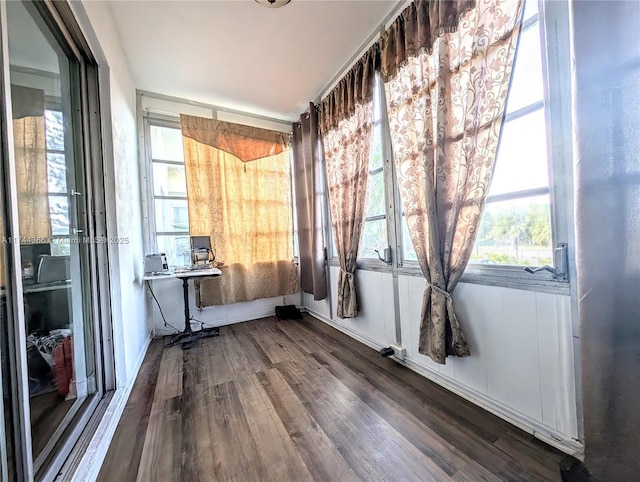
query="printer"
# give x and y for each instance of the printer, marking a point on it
(155, 263)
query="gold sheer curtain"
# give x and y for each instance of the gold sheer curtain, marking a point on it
(29, 140)
(29, 145)
(446, 68)
(239, 190)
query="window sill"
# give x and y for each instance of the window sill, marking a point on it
(504, 276)
(367, 264)
(513, 277)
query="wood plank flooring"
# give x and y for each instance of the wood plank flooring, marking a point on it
(298, 400)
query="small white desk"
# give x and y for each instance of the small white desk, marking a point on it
(188, 336)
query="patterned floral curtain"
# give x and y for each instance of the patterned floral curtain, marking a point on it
(446, 66)
(239, 190)
(346, 116)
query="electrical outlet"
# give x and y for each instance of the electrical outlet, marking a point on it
(399, 352)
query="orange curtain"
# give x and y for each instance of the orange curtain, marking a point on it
(29, 143)
(239, 190)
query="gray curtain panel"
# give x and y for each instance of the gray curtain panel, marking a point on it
(307, 158)
(446, 88)
(606, 122)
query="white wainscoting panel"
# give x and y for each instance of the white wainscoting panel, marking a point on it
(375, 296)
(511, 348)
(321, 307)
(521, 365)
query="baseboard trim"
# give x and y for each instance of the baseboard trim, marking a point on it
(546, 434)
(228, 321)
(91, 462)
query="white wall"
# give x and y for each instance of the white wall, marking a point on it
(131, 331)
(521, 365)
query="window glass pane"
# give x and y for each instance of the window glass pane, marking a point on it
(374, 236)
(169, 180)
(374, 205)
(409, 253)
(56, 173)
(516, 232)
(530, 9)
(376, 148)
(60, 247)
(526, 83)
(54, 130)
(166, 144)
(177, 249)
(59, 213)
(172, 215)
(522, 158)
(60, 352)
(376, 100)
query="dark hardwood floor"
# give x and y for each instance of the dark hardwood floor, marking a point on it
(298, 400)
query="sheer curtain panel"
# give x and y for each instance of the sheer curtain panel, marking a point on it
(446, 68)
(239, 191)
(346, 118)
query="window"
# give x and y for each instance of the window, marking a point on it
(516, 224)
(57, 182)
(170, 207)
(374, 232)
(526, 213)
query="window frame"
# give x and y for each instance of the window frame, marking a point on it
(88, 114)
(55, 107)
(147, 118)
(557, 111)
(391, 194)
(149, 197)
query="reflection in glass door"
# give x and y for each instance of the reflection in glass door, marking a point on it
(54, 252)
(8, 468)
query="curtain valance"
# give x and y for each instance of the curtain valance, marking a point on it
(416, 29)
(244, 142)
(26, 102)
(356, 87)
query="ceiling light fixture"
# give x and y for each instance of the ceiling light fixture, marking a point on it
(273, 3)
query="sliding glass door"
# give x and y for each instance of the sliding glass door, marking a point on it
(50, 241)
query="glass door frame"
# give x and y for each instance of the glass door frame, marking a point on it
(88, 153)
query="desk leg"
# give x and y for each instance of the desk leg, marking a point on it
(188, 336)
(187, 316)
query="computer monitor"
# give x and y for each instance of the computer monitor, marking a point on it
(200, 250)
(200, 243)
(30, 255)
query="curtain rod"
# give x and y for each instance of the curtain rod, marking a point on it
(371, 39)
(215, 108)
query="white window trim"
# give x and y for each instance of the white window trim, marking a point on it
(145, 119)
(146, 168)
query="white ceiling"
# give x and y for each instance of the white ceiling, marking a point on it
(241, 55)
